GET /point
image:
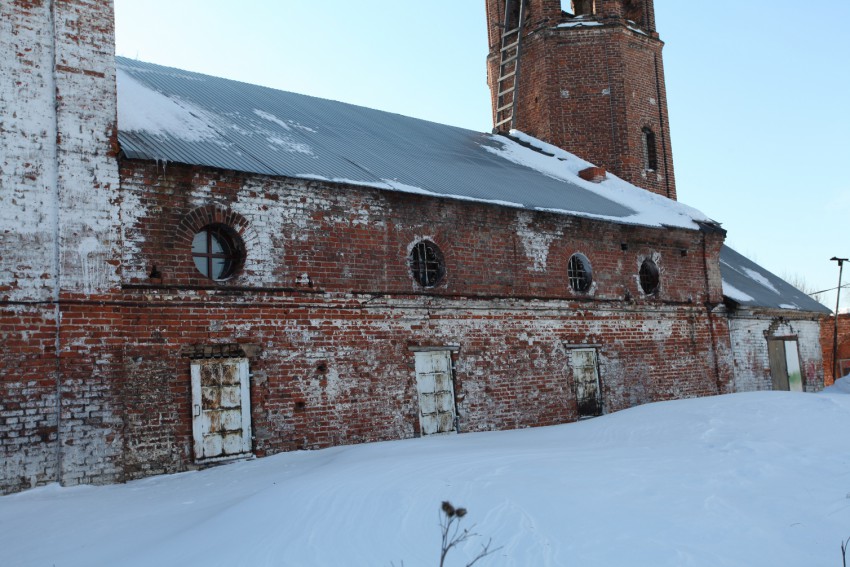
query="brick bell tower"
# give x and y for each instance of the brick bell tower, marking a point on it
(586, 76)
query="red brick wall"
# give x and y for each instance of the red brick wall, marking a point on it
(329, 312)
(827, 340)
(592, 90)
(348, 239)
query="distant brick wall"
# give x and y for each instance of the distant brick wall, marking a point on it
(749, 333)
(827, 341)
(592, 90)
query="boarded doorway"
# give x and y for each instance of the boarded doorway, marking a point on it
(586, 378)
(435, 387)
(221, 409)
(785, 369)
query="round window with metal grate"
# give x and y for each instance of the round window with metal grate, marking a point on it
(427, 264)
(218, 252)
(649, 277)
(579, 273)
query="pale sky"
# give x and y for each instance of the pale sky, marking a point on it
(758, 94)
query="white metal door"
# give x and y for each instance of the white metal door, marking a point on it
(586, 377)
(221, 408)
(436, 392)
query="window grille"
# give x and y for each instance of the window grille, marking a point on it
(217, 252)
(649, 277)
(427, 264)
(580, 273)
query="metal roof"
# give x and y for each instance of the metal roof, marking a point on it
(749, 285)
(233, 125)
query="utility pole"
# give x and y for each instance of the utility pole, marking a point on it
(835, 370)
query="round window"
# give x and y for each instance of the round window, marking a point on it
(649, 277)
(427, 264)
(580, 273)
(217, 251)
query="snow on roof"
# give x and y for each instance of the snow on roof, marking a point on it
(577, 24)
(750, 285)
(733, 292)
(141, 109)
(650, 208)
(171, 115)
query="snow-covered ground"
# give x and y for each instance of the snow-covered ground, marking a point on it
(760, 479)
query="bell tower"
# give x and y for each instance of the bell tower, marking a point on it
(586, 76)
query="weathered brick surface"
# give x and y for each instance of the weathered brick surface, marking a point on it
(828, 340)
(592, 90)
(103, 309)
(749, 333)
(59, 243)
(28, 396)
(328, 308)
(28, 156)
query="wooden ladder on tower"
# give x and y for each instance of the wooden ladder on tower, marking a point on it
(507, 87)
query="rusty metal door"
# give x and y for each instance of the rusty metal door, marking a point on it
(435, 386)
(586, 378)
(778, 365)
(221, 408)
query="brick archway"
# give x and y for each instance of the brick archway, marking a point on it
(206, 215)
(227, 223)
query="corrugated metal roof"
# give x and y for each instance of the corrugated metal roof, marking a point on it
(750, 285)
(227, 124)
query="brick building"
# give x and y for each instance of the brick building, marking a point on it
(828, 337)
(591, 80)
(774, 328)
(196, 269)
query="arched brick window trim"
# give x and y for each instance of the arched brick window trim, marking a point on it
(201, 217)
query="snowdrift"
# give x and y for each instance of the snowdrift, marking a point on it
(739, 480)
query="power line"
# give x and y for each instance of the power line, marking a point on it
(847, 285)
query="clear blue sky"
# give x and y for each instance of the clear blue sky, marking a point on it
(758, 93)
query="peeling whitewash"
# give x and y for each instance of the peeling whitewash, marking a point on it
(59, 192)
(66, 191)
(135, 266)
(535, 242)
(28, 157)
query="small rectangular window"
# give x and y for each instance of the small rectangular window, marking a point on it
(650, 151)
